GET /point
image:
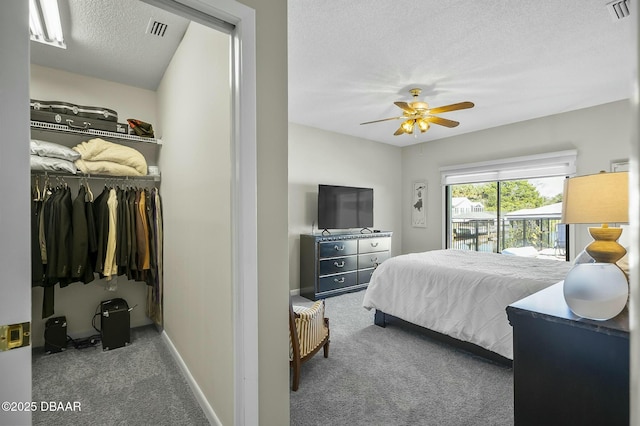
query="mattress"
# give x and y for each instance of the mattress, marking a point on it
(463, 294)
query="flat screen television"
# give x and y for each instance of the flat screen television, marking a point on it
(343, 207)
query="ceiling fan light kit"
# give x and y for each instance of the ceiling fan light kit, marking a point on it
(417, 115)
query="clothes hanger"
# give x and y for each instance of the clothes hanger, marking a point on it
(88, 187)
(37, 195)
(46, 187)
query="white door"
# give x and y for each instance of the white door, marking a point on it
(15, 281)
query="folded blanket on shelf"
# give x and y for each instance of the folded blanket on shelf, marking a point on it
(106, 158)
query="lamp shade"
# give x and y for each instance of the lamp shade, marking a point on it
(597, 198)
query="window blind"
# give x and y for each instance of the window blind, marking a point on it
(560, 163)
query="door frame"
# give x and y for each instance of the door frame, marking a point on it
(244, 211)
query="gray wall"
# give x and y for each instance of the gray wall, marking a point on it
(194, 107)
(320, 157)
(600, 134)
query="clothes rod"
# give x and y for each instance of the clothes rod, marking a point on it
(148, 178)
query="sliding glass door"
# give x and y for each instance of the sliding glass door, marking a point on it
(520, 217)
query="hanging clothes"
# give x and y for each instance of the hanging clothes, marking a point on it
(122, 245)
(92, 238)
(118, 233)
(52, 216)
(131, 235)
(110, 262)
(154, 292)
(101, 211)
(80, 240)
(142, 236)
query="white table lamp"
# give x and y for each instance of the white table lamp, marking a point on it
(598, 290)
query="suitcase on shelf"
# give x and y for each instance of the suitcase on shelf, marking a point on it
(78, 123)
(66, 108)
(115, 327)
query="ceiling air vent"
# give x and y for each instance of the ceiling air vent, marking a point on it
(156, 28)
(618, 9)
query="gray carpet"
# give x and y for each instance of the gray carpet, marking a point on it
(139, 384)
(396, 376)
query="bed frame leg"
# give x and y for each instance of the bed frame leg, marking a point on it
(379, 319)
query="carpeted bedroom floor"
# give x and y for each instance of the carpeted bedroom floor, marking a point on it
(395, 376)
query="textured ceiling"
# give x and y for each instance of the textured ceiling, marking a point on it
(349, 61)
(106, 39)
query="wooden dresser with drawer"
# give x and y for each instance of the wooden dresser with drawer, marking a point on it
(340, 263)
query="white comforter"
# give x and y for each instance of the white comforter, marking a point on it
(100, 157)
(460, 293)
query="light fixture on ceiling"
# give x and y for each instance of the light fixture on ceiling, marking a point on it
(412, 126)
(418, 116)
(44, 23)
(423, 125)
(407, 126)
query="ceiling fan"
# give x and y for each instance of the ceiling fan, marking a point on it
(417, 115)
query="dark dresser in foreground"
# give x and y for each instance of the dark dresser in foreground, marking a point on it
(568, 370)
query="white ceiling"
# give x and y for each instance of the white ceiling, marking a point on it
(350, 60)
(516, 60)
(107, 39)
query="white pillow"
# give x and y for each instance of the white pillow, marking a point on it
(48, 164)
(528, 251)
(53, 150)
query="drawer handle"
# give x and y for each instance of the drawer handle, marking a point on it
(338, 248)
(339, 280)
(374, 244)
(374, 259)
(338, 265)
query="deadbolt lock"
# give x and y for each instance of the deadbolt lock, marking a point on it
(15, 336)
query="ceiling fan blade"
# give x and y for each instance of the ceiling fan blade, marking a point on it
(441, 121)
(405, 107)
(399, 131)
(384, 119)
(452, 107)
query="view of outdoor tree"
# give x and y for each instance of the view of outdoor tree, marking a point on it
(514, 195)
(481, 232)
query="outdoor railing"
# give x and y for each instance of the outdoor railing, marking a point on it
(483, 235)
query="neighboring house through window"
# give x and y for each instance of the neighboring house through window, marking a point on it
(511, 206)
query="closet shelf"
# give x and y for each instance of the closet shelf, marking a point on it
(64, 175)
(59, 128)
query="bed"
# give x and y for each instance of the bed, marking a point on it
(458, 293)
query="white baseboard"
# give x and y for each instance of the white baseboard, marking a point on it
(202, 400)
(295, 292)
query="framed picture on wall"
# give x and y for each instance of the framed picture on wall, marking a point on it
(419, 204)
(620, 165)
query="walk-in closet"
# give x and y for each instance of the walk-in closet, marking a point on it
(166, 70)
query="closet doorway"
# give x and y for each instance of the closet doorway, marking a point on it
(195, 285)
